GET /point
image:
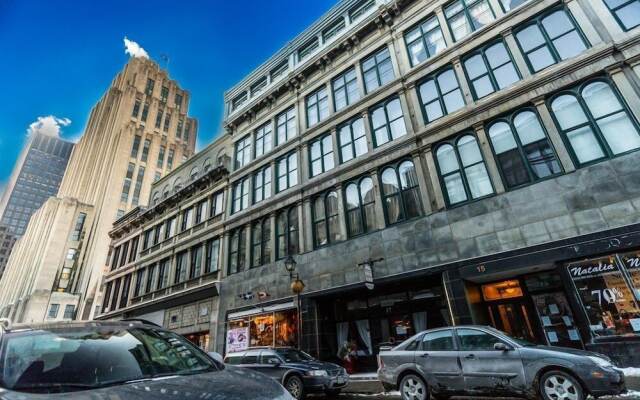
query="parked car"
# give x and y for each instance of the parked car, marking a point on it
(118, 360)
(298, 372)
(478, 360)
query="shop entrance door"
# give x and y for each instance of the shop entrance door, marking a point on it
(513, 318)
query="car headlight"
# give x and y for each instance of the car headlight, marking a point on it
(601, 362)
(317, 372)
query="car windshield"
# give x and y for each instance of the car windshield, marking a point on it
(521, 342)
(292, 355)
(70, 359)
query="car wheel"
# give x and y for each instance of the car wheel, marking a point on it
(558, 385)
(293, 384)
(412, 387)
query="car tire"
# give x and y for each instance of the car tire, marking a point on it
(559, 385)
(294, 386)
(413, 387)
(332, 393)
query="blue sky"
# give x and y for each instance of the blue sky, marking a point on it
(59, 56)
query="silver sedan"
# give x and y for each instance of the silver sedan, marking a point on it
(479, 360)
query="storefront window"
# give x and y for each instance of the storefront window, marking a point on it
(606, 296)
(286, 326)
(278, 329)
(502, 290)
(631, 261)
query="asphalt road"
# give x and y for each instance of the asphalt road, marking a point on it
(632, 395)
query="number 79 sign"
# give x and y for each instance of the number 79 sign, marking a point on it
(609, 296)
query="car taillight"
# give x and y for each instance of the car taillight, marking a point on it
(380, 362)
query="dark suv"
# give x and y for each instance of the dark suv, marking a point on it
(298, 372)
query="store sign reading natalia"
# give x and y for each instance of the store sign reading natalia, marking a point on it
(588, 270)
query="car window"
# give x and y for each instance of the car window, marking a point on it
(250, 357)
(292, 355)
(234, 359)
(438, 341)
(476, 340)
(269, 357)
(414, 344)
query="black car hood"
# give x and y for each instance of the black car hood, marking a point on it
(564, 350)
(315, 364)
(231, 383)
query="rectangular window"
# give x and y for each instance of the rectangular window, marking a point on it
(126, 187)
(317, 104)
(178, 101)
(138, 187)
(440, 95)
(77, 230)
(237, 251)
(345, 89)
(156, 234)
(549, 39)
(69, 311)
(261, 243)
(136, 109)
(321, 155)
(626, 12)
(124, 296)
(287, 172)
(167, 122)
(169, 228)
(146, 239)
(160, 163)
(163, 273)
(287, 238)
(201, 211)
(107, 297)
(181, 267)
(333, 30)
(159, 118)
(187, 131)
(258, 86)
(466, 16)
(262, 185)
(170, 159)
(360, 9)
(508, 5)
(164, 94)
(211, 256)
(123, 254)
(240, 195)
(243, 152)
(145, 111)
(187, 216)
(180, 127)
(238, 100)
(377, 70)
(264, 139)
(352, 139)
(135, 146)
(137, 288)
(424, 41)
(196, 262)
(286, 125)
(133, 255)
(149, 89)
(387, 122)
(217, 204)
(145, 150)
(279, 70)
(150, 276)
(308, 48)
(53, 311)
(490, 69)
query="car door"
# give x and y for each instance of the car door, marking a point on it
(250, 360)
(437, 359)
(270, 364)
(485, 369)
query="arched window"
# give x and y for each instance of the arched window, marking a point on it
(194, 173)
(400, 192)
(206, 165)
(155, 199)
(165, 191)
(237, 251)
(360, 207)
(287, 233)
(595, 122)
(326, 223)
(177, 184)
(387, 122)
(550, 39)
(522, 149)
(462, 170)
(261, 243)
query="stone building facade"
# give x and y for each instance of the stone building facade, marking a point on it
(138, 132)
(428, 163)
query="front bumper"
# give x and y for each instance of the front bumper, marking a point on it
(606, 382)
(315, 384)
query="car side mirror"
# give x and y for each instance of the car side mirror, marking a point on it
(216, 356)
(501, 347)
(273, 361)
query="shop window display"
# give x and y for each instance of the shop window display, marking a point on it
(279, 329)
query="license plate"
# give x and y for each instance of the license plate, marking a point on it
(340, 381)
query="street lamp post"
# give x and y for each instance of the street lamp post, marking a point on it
(297, 286)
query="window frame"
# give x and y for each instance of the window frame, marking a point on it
(422, 38)
(376, 67)
(245, 142)
(265, 173)
(614, 12)
(237, 251)
(313, 101)
(467, 16)
(383, 104)
(289, 171)
(315, 220)
(383, 197)
(240, 191)
(352, 141)
(342, 80)
(490, 71)
(263, 135)
(287, 232)
(434, 77)
(287, 135)
(330, 153)
(361, 206)
(262, 243)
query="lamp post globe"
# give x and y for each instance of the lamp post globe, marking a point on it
(290, 264)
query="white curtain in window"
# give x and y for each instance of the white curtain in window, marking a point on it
(365, 336)
(342, 333)
(420, 321)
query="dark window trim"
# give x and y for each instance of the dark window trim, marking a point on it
(395, 166)
(490, 71)
(361, 205)
(434, 76)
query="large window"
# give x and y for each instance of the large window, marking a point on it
(212, 253)
(377, 70)
(181, 267)
(243, 152)
(262, 185)
(440, 95)
(508, 5)
(550, 39)
(160, 162)
(522, 149)
(317, 106)
(263, 139)
(135, 146)
(462, 170)
(424, 41)
(387, 121)
(145, 150)
(627, 12)
(163, 274)
(360, 207)
(237, 251)
(138, 186)
(261, 243)
(217, 204)
(196, 262)
(345, 89)
(286, 125)
(466, 16)
(321, 155)
(490, 69)
(287, 233)
(326, 223)
(595, 122)
(353, 139)
(287, 171)
(240, 195)
(187, 219)
(400, 192)
(126, 186)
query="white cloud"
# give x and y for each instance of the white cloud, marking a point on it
(134, 49)
(49, 125)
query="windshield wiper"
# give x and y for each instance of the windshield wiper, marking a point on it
(54, 386)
